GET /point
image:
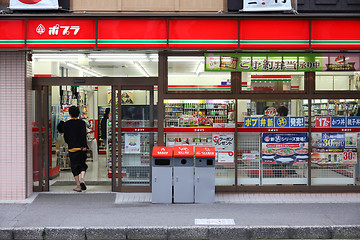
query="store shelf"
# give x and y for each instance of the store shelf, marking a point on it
(197, 114)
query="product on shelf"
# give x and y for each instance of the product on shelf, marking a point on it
(198, 114)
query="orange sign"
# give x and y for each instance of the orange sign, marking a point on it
(205, 152)
(162, 152)
(183, 151)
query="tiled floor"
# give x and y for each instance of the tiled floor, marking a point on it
(256, 198)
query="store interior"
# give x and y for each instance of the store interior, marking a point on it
(179, 113)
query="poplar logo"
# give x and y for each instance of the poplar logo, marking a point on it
(30, 1)
(40, 29)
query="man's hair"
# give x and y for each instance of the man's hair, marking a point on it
(74, 111)
(283, 111)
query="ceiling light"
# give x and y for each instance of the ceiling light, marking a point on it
(83, 69)
(141, 68)
(199, 68)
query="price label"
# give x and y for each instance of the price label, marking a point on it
(323, 121)
(349, 157)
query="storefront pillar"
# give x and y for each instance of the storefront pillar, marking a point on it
(162, 88)
(15, 127)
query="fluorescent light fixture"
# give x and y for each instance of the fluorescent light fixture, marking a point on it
(185, 59)
(141, 68)
(199, 68)
(88, 71)
(58, 57)
(122, 57)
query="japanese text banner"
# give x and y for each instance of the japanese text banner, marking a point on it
(284, 62)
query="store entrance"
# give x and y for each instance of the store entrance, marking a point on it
(132, 121)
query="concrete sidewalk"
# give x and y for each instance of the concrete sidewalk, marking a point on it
(90, 215)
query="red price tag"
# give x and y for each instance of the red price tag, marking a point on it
(350, 157)
(323, 122)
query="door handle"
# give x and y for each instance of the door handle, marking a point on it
(177, 179)
(198, 179)
(155, 179)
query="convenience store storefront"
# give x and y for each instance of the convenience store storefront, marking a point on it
(205, 82)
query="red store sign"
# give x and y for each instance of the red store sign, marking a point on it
(12, 33)
(61, 33)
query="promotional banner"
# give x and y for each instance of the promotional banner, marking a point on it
(334, 148)
(34, 4)
(284, 62)
(224, 146)
(266, 5)
(285, 148)
(327, 122)
(132, 143)
(271, 122)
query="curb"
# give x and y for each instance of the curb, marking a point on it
(185, 232)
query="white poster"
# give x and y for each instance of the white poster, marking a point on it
(266, 5)
(34, 4)
(132, 143)
(224, 146)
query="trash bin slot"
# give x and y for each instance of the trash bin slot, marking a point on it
(183, 161)
(209, 162)
(162, 162)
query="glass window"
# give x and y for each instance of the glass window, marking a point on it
(255, 81)
(334, 153)
(271, 108)
(267, 157)
(336, 81)
(188, 74)
(200, 113)
(204, 123)
(328, 108)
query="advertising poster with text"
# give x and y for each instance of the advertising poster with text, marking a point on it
(285, 148)
(224, 146)
(334, 148)
(132, 143)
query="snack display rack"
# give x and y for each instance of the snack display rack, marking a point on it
(198, 114)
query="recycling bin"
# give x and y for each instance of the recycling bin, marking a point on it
(184, 174)
(204, 174)
(162, 174)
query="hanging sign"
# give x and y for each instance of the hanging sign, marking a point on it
(284, 62)
(34, 4)
(274, 122)
(266, 5)
(132, 143)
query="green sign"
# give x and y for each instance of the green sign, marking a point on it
(264, 62)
